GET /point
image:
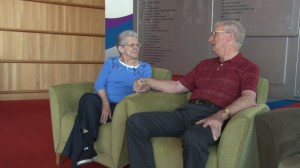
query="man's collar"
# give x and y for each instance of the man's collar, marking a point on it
(236, 58)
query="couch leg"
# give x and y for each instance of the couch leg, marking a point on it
(58, 159)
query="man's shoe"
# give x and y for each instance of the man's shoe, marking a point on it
(87, 155)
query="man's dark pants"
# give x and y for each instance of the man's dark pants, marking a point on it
(196, 139)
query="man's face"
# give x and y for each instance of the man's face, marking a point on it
(219, 40)
(131, 47)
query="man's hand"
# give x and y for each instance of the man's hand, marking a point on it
(140, 85)
(215, 122)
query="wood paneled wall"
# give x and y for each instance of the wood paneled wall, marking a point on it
(47, 42)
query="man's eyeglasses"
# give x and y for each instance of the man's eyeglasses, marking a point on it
(215, 32)
(133, 45)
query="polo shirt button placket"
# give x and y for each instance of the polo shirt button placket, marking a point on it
(220, 65)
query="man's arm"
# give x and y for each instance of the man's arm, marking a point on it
(215, 121)
(168, 86)
(247, 99)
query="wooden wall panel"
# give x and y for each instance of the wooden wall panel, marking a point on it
(51, 47)
(47, 42)
(89, 3)
(31, 15)
(28, 77)
(24, 96)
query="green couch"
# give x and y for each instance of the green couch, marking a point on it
(278, 138)
(111, 148)
(237, 147)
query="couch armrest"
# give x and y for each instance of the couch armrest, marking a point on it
(64, 99)
(237, 147)
(149, 101)
(155, 101)
(278, 135)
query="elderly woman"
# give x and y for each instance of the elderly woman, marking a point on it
(114, 82)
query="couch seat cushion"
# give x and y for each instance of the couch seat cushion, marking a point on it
(292, 161)
(104, 145)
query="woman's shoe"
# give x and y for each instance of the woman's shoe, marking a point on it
(87, 155)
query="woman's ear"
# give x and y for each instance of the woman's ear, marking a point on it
(120, 49)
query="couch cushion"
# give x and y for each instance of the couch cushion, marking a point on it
(167, 151)
(67, 123)
(292, 161)
(104, 145)
(164, 157)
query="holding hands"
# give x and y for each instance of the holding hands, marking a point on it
(141, 85)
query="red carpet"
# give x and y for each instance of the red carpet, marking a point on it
(26, 136)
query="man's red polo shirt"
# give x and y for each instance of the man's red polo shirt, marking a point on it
(221, 82)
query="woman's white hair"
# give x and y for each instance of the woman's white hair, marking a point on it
(121, 40)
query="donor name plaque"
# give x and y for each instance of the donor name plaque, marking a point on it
(258, 15)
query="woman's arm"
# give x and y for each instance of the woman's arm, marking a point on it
(106, 111)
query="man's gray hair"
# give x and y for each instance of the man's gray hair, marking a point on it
(121, 40)
(236, 27)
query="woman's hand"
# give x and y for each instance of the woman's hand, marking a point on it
(140, 85)
(106, 113)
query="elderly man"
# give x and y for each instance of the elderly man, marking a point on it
(220, 86)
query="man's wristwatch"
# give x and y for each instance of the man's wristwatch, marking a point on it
(228, 112)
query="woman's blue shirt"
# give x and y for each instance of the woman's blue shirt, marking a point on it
(117, 79)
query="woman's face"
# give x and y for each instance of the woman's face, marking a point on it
(131, 47)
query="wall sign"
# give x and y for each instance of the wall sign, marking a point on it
(260, 17)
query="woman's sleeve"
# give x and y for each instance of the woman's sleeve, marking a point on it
(148, 71)
(100, 82)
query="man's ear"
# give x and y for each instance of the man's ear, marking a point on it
(231, 36)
